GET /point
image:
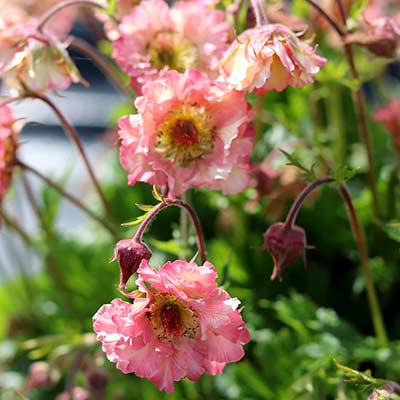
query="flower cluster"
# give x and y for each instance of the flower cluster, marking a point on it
(179, 325)
(8, 147)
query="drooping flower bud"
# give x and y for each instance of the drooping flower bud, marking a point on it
(389, 390)
(285, 244)
(380, 36)
(130, 253)
(97, 382)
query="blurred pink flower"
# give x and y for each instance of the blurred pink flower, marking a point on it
(77, 393)
(8, 147)
(38, 62)
(390, 117)
(269, 57)
(180, 325)
(154, 37)
(189, 131)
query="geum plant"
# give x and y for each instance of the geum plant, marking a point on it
(203, 73)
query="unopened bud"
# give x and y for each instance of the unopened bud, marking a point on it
(77, 393)
(380, 37)
(285, 244)
(129, 254)
(97, 381)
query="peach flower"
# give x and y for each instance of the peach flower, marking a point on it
(181, 324)
(269, 57)
(189, 131)
(155, 37)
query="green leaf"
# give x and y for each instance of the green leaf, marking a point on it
(344, 173)
(393, 230)
(357, 7)
(360, 378)
(156, 193)
(308, 173)
(144, 207)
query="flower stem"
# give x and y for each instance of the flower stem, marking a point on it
(358, 98)
(13, 224)
(359, 102)
(259, 12)
(70, 130)
(330, 20)
(178, 203)
(294, 210)
(103, 64)
(376, 314)
(68, 3)
(68, 196)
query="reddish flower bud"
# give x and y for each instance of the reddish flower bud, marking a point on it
(97, 382)
(285, 244)
(380, 36)
(129, 254)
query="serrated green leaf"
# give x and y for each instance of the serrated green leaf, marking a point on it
(344, 173)
(137, 221)
(360, 378)
(308, 173)
(156, 193)
(145, 207)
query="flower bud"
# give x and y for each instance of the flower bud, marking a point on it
(129, 254)
(97, 382)
(77, 393)
(285, 244)
(380, 36)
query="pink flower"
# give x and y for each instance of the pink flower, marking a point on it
(189, 131)
(154, 37)
(78, 393)
(180, 325)
(33, 60)
(8, 147)
(269, 57)
(389, 116)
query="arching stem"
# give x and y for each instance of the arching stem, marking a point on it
(70, 130)
(68, 3)
(192, 214)
(67, 195)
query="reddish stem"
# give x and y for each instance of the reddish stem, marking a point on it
(178, 203)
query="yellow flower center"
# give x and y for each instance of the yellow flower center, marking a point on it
(176, 52)
(187, 134)
(171, 318)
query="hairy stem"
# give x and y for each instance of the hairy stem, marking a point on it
(375, 310)
(103, 64)
(68, 3)
(329, 19)
(68, 196)
(188, 208)
(294, 210)
(259, 12)
(70, 130)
